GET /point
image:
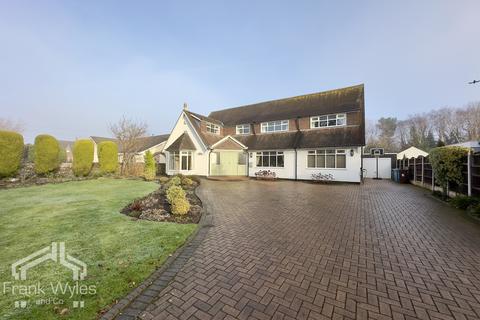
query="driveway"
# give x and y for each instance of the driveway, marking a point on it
(294, 250)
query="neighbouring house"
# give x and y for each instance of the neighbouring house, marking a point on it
(154, 144)
(294, 137)
(68, 147)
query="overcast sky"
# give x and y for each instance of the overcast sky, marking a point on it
(69, 68)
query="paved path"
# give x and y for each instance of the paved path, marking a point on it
(294, 250)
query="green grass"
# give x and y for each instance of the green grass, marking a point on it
(118, 251)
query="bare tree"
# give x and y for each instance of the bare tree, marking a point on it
(128, 132)
(10, 125)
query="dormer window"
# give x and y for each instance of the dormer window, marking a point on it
(274, 126)
(331, 120)
(213, 128)
(243, 129)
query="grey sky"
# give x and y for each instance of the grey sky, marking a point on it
(69, 68)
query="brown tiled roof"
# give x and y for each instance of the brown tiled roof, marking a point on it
(318, 138)
(208, 119)
(333, 101)
(228, 144)
(143, 143)
(182, 143)
(271, 141)
(207, 138)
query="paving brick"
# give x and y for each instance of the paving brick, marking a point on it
(295, 250)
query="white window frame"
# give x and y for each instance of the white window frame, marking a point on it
(274, 126)
(186, 154)
(171, 160)
(269, 155)
(324, 152)
(243, 129)
(329, 120)
(213, 128)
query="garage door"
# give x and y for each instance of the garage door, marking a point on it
(384, 168)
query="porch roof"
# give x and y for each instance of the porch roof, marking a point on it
(183, 142)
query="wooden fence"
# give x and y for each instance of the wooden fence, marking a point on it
(420, 173)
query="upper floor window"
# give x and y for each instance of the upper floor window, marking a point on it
(274, 126)
(331, 120)
(243, 129)
(213, 128)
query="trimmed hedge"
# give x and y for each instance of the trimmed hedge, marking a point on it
(150, 169)
(447, 163)
(11, 153)
(82, 157)
(108, 156)
(47, 154)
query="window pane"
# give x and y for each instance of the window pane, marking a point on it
(320, 161)
(330, 163)
(176, 164)
(341, 161)
(184, 162)
(259, 160)
(265, 160)
(311, 161)
(273, 161)
(332, 122)
(280, 161)
(323, 123)
(189, 161)
(341, 120)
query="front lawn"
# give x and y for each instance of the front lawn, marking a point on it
(119, 252)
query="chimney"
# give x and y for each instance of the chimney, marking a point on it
(185, 106)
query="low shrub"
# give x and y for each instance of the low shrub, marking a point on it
(108, 156)
(174, 181)
(11, 152)
(175, 192)
(187, 182)
(464, 202)
(47, 154)
(177, 198)
(82, 157)
(180, 206)
(150, 169)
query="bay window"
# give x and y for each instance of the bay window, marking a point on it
(327, 158)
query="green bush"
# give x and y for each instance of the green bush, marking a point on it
(447, 163)
(11, 152)
(463, 202)
(187, 182)
(174, 181)
(175, 192)
(178, 200)
(47, 154)
(82, 157)
(108, 156)
(180, 206)
(150, 169)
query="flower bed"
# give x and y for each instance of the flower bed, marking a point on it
(155, 207)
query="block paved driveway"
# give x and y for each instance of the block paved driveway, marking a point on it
(294, 250)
